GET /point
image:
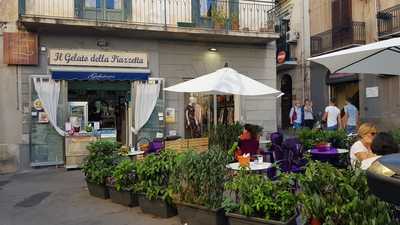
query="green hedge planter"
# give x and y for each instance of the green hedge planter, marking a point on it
(157, 207)
(98, 190)
(199, 215)
(126, 198)
(237, 219)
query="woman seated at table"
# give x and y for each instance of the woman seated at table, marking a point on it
(361, 149)
(249, 141)
(383, 144)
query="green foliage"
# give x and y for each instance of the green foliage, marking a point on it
(218, 16)
(339, 197)
(102, 158)
(396, 135)
(154, 175)
(124, 176)
(224, 136)
(199, 177)
(260, 197)
(310, 138)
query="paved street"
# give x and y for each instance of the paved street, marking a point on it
(56, 196)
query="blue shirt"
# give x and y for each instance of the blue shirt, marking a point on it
(352, 113)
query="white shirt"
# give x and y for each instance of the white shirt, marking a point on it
(356, 148)
(333, 113)
(366, 163)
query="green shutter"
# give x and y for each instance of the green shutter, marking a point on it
(127, 10)
(79, 4)
(21, 7)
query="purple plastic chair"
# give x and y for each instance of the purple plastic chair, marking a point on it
(293, 149)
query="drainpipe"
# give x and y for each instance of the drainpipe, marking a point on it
(165, 14)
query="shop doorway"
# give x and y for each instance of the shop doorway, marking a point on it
(286, 100)
(107, 105)
(341, 91)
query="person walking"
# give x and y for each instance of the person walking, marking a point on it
(308, 114)
(351, 117)
(296, 115)
(332, 116)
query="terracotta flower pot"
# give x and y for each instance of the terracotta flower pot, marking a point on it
(315, 221)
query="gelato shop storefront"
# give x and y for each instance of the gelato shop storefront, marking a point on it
(90, 95)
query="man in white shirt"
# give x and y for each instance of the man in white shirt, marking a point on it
(332, 116)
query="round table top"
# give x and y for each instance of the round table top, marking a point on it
(133, 153)
(253, 166)
(329, 152)
(264, 141)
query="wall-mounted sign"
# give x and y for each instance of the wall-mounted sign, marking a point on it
(333, 78)
(20, 48)
(67, 57)
(372, 92)
(281, 57)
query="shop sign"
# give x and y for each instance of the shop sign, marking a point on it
(341, 77)
(372, 92)
(20, 48)
(64, 57)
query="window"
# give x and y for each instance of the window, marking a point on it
(114, 4)
(93, 3)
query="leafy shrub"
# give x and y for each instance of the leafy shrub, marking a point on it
(396, 135)
(339, 197)
(124, 176)
(199, 177)
(102, 158)
(263, 198)
(224, 135)
(154, 174)
(309, 138)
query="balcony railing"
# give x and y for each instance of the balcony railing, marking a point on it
(337, 38)
(389, 21)
(244, 16)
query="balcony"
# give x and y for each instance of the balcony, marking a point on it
(389, 22)
(338, 38)
(233, 21)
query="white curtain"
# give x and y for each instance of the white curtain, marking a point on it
(145, 101)
(48, 91)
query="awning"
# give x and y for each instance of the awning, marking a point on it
(91, 75)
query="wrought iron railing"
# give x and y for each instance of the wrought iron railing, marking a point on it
(337, 38)
(389, 21)
(245, 16)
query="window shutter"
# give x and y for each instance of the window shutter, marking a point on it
(79, 8)
(128, 10)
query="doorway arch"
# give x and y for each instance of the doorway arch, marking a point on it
(286, 100)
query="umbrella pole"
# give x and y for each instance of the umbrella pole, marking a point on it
(215, 111)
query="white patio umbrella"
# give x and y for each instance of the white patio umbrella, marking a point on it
(225, 81)
(381, 57)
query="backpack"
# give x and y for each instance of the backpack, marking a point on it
(294, 115)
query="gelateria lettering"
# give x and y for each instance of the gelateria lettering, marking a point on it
(100, 76)
(98, 58)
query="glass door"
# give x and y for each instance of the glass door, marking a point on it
(46, 145)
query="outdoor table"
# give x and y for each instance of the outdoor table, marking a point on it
(134, 154)
(264, 141)
(338, 157)
(254, 166)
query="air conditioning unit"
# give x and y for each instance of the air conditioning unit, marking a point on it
(292, 37)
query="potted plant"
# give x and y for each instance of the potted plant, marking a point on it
(123, 185)
(261, 201)
(218, 17)
(235, 21)
(334, 196)
(153, 174)
(98, 165)
(198, 184)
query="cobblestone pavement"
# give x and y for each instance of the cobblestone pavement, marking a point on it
(58, 197)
